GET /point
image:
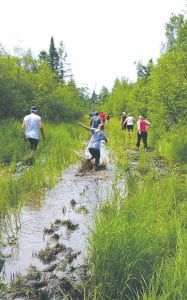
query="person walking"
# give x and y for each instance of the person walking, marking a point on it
(142, 132)
(129, 121)
(108, 116)
(122, 120)
(95, 121)
(102, 117)
(92, 114)
(94, 145)
(30, 127)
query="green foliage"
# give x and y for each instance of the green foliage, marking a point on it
(143, 72)
(119, 98)
(160, 94)
(104, 95)
(173, 145)
(137, 249)
(136, 238)
(25, 82)
(168, 89)
(52, 156)
(53, 56)
(11, 142)
(63, 105)
(173, 29)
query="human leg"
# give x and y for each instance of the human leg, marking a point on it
(144, 138)
(139, 136)
(97, 159)
(33, 146)
(130, 131)
(96, 155)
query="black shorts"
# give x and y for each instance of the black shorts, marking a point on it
(129, 127)
(33, 143)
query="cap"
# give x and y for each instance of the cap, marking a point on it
(34, 109)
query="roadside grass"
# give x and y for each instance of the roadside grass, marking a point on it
(138, 247)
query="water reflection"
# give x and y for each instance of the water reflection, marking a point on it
(86, 191)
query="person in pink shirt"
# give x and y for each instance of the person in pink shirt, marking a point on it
(142, 132)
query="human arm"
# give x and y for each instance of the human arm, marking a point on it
(125, 121)
(138, 125)
(23, 131)
(147, 122)
(42, 132)
(41, 129)
(85, 127)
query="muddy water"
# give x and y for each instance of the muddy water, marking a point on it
(85, 192)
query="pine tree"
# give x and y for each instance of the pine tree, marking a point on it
(53, 57)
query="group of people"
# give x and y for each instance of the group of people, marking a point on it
(127, 123)
(98, 135)
(32, 123)
(98, 118)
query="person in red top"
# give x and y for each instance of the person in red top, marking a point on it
(142, 132)
(102, 117)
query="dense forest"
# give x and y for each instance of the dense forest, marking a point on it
(138, 245)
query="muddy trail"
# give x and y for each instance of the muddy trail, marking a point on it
(46, 259)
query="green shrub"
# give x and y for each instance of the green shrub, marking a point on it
(173, 145)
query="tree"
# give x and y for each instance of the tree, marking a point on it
(172, 29)
(94, 97)
(53, 57)
(43, 56)
(64, 70)
(29, 63)
(144, 71)
(104, 94)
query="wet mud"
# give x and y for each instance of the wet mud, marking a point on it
(47, 259)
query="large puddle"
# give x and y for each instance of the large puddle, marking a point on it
(73, 198)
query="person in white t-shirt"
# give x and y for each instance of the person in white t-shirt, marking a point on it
(30, 126)
(129, 121)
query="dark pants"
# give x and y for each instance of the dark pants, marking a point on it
(142, 136)
(124, 126)
(33, 143)
(95, 153)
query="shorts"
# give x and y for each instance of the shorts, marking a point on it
(33, 143)
(129, 127)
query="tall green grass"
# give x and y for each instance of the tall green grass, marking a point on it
(52, 156)
(172, 145)
(137, 249)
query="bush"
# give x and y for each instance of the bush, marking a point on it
(173, 145)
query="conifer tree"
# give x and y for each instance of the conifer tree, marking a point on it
(53, 57)
(43, 56)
